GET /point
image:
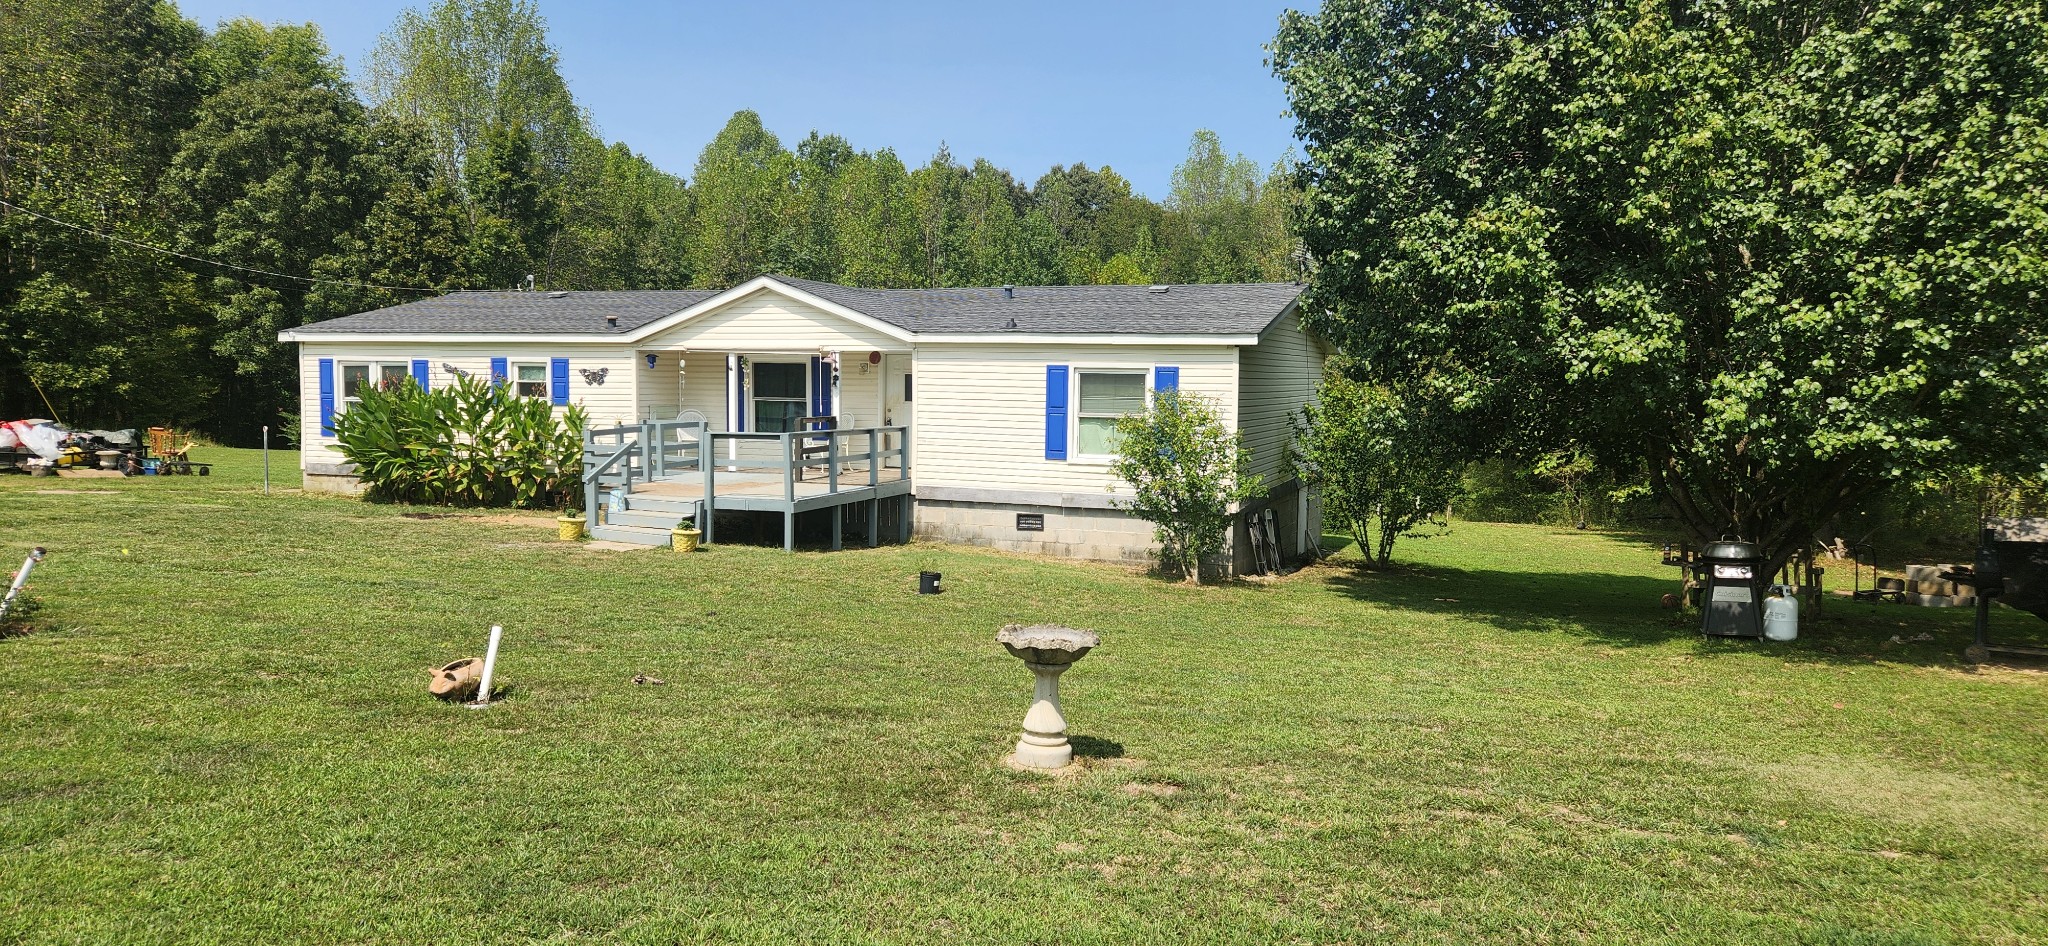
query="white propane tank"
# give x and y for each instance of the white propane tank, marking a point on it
(1781, 614)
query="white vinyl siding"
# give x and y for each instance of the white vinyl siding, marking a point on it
(609, 403)
(768, 321)
(980, 410)
(1279, 375)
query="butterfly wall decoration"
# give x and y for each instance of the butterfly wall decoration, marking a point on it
(594, 375)
(451, 369)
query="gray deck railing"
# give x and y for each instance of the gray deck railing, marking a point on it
(849, 460)
(619, 456)
(843, 449)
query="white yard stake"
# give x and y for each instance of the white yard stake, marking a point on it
(483, 690)
(20, 579)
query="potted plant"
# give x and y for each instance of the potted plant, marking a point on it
(569, 525)
(685, 535)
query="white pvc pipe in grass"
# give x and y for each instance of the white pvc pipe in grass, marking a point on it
(20, 579)
(483, 690)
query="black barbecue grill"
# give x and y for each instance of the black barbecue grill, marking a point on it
(2011, 565)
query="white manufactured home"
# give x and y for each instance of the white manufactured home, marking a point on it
(980, 416)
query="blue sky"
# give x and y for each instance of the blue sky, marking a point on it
(1026, 85)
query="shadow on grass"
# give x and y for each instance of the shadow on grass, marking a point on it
(1092, 748)
(1616, 610)
(1620, 610)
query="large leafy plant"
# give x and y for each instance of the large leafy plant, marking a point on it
(469, 443)
(1186, 471)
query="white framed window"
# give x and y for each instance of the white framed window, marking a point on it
(356, 375)
(1101, 396)
(529, 379)
(781, 394)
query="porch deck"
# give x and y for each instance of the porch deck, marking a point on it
(644, 479)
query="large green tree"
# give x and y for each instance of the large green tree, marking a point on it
(269, 177)
(1775, 256)
(747, 215)
(464, 66)
(93, 94)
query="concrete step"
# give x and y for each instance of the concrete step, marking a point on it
(636, 535)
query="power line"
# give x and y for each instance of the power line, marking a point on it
(210, 262)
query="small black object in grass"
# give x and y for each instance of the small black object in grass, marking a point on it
(928, 583)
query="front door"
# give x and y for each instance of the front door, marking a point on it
(898, 392)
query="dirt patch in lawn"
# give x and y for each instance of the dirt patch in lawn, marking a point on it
(489, 519)
(1893, 791)
(1151, 789)
(517, 519)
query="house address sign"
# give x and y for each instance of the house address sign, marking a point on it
(1031, 522)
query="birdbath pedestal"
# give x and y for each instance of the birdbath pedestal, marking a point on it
(1048, 650)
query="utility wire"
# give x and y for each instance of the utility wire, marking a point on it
(210, 262)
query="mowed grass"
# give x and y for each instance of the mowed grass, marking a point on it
(222, 735)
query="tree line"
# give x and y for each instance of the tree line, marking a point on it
(1777, 266)
(175, 196)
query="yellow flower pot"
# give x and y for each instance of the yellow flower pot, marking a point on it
(685, 540)
(570, 528)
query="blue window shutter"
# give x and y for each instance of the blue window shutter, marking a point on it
(1165, 378)
(1055, 412)
(558, 380)
(499, 372)
(327, 396)
(419, 372)
(825, 371)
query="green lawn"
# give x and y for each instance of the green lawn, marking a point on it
(222, 735)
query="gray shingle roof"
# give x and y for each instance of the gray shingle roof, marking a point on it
(1213, 309)
(1220, 309)
(517, 313)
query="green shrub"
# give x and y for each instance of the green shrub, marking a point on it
(1382, 467)
(1186, 470)
(471, 443)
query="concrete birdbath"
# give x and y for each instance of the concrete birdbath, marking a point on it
(1048, 649)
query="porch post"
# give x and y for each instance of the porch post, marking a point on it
(704, 450)
(788, 468)
(874, 523)
(789, 531)
(590, 501)
(837, 402)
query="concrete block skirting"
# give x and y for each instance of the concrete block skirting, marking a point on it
(1092, 531)
(332, 478)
